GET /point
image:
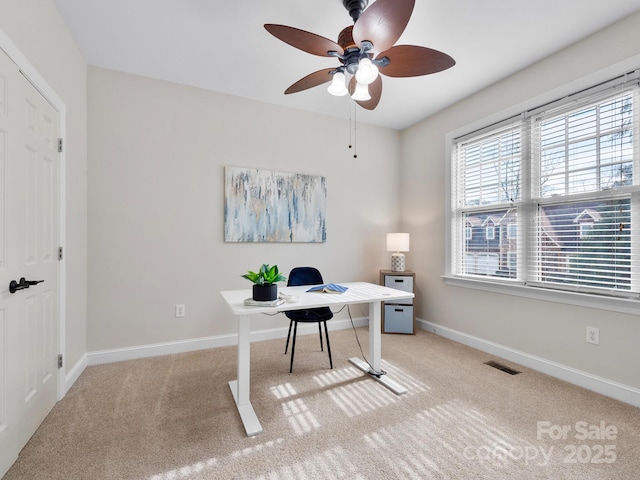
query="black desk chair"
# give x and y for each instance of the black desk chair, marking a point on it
(320, 315)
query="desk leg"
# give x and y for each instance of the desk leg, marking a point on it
(240, 387)
(375, 351)
(375, 337)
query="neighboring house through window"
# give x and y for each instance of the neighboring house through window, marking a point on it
(549, 198)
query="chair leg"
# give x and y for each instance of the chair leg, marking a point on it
(293, 345)
(288, 336)
(320, 334)
(326, 332)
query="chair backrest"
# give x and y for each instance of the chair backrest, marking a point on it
(304, 276)
(307, 276)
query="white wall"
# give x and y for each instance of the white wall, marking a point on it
(553, 331)
(157, 153)
(37, 30)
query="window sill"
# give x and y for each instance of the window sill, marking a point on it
(622, 305)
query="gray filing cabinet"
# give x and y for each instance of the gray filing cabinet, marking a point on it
(398, 316)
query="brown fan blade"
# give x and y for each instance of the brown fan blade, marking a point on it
(413, 61)
(382, 23)
(375, 90)
(312, 80)
(305, 41)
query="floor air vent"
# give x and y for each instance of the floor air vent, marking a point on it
(504, 368)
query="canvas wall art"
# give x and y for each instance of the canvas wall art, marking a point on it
(269, 206)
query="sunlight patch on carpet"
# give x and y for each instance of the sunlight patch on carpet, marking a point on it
(343, 375)
(336, 376)
(356, 393)
(449, 434)
(412, 384)
(333, 463)
(188, 471)
(301, 419)
(283, 391)
(203, 466)
(246, 452)
(361, 397)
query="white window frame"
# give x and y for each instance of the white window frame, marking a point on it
(610, 303)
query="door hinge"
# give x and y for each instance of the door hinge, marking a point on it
(60, 361)
(59, 145)
(59, 253)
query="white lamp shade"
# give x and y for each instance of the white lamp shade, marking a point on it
(338, 85)
(367, 71)
(361, 93)
(397, 242)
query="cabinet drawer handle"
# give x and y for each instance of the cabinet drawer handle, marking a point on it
(398, 280)
(399, 309)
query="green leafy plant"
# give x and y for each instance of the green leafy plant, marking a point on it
(265, 276)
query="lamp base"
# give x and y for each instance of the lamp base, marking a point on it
(397, 262)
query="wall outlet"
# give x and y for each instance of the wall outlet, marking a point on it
(180, 310)
(593, 335)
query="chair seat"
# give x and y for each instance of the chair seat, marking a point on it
(319, 314)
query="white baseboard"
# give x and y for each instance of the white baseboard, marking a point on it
(153, 350)
(181, 346)
(73, 374)
(601, 385)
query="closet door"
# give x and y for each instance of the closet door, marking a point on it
(29, 238)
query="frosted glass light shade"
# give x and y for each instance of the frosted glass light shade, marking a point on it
(367, 71)
(361, 93)
(338, 85)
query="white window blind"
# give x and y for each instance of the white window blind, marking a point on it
(561, 188)
(488, 188)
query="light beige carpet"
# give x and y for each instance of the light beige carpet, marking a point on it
(173, 418)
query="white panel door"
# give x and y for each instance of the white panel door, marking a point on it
(29, 323)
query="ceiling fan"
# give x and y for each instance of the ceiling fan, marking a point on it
(364, 49)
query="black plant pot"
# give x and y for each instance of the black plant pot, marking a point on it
(265, 293)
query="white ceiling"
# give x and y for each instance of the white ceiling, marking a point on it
(221, 45)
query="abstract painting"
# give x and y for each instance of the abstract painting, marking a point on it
(268, 206)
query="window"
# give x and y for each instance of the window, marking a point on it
(491, 232)
(468, 233)
(553, 196)
(585, 229)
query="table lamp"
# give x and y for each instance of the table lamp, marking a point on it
(397, 242)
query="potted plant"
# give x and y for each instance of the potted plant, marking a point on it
(264, 282)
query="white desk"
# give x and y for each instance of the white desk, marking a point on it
(357, 293)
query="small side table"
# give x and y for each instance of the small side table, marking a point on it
(398, 316)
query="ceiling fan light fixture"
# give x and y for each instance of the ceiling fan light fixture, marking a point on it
(361, 92)
(366, 51)
(338, 85)
(367, 71)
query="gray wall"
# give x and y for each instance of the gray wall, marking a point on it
(552, 331)
(157, 153)
(38, 32)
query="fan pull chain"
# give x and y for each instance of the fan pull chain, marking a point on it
(355, 128)
(350, 124)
